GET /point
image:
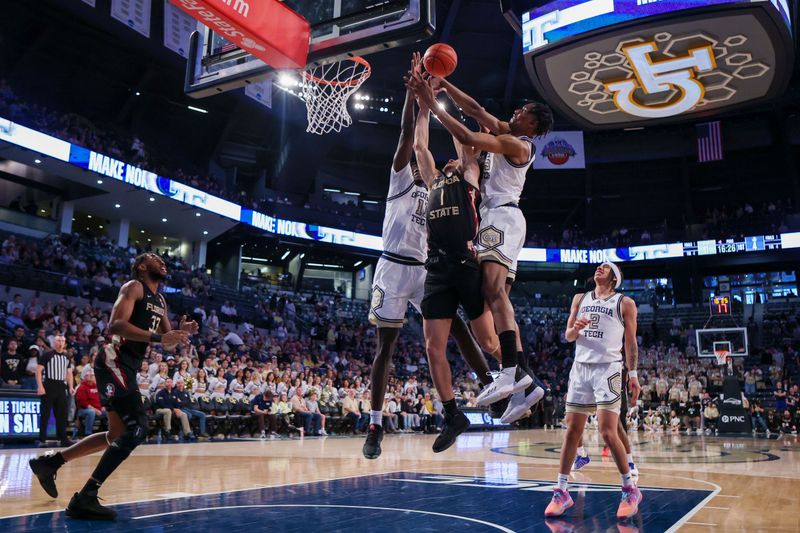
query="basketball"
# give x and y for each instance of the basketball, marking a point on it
(440, 60)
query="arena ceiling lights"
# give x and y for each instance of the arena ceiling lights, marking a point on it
(631, 63)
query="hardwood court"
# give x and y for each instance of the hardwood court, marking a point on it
(487, 482)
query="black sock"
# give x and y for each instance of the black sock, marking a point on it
(56, 460)
(450, 407)
(91, 487)
(508, 348)
(522, 361)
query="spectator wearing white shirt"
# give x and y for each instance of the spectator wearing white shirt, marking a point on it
(143, 379)
(157, 358)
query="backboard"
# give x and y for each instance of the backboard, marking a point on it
(734, 340)
(339, 29)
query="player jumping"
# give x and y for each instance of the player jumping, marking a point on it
(400, 274)
(510, 152)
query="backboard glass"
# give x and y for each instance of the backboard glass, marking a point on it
(339, 29)
(732, 339)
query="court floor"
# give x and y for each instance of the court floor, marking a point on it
(498, 481)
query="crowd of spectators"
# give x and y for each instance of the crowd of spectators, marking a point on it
(105, 139)
(324, 344)
(768, 218)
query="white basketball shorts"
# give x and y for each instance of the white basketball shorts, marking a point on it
(594, 386)
(395, 286)
(501, 237)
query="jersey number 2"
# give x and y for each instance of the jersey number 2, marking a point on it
(594, 320)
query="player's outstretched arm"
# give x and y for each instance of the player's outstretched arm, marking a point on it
(473, 109)
(508, 145)
(405, 147)
(469, 163)
(425, 162)
(575, 324)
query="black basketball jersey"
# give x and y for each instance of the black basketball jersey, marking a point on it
(452, 216)
(147, 314)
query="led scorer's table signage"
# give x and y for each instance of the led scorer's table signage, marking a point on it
(622, 63)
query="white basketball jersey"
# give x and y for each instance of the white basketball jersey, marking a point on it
(503, 180)
(404, 229)
(601, 341)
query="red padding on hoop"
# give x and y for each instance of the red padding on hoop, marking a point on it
(266, 28)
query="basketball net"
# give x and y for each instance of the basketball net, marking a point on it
(326, 90)
(722, 357)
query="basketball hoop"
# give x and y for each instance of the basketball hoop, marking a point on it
(722, 357)
(326, 90)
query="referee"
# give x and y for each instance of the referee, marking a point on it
(53, 379)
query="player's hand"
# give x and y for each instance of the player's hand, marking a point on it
(72, 391)
(40, 390)
(416, 63)
(581, 323)
(189, 326)
(634, 389)
(175, 336)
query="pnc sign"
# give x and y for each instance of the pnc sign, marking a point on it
(665, 68)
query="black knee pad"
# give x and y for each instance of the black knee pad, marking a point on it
(134, 435)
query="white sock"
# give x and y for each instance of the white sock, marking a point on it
(582, 451)
(627, 480)
(376, 417)
(562, 481)
(630, 458)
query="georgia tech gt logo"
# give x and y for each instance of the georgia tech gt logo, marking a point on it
(656, 77)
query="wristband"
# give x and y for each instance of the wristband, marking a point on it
(633, 374)
(155, 337)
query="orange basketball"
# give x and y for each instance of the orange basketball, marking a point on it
(440, 60)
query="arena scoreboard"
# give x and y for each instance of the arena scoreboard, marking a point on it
(720, 306)
(630, 63)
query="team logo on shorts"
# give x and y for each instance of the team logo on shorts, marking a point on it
(490, 237)
(377, 298)
(110, 390)
(615, 384)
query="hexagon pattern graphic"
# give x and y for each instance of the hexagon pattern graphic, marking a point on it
(733, 63)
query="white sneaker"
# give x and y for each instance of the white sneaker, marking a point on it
(263, 435)
(323, 433)
(521, 404)
(506, 382)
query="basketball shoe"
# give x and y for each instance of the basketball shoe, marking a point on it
(559, 504)
(506, 382)
(629, 503)
(580, 462)
(453, 427)
(45, 469)
(372, 446)
(86, 506)
(521, 402)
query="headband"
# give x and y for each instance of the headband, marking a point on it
(615, 269)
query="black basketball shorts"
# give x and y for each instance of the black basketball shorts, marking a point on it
(451, 282)
(116, 384)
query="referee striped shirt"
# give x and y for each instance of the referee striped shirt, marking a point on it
(55, 366)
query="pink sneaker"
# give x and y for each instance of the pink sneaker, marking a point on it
(629, 505)
(559, 504)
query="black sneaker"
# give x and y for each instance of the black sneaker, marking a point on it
(87, 507)
(372, 447)
(453, 427)
(45, 471)
(497, 408)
